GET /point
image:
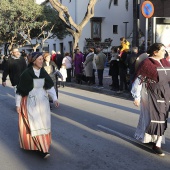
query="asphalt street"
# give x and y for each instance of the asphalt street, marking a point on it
(90, 131)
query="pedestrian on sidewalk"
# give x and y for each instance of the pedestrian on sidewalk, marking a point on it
(33, 107)
(123, 73)
(94, 69)
(88, 66)
(13, 67)
(67, 62)
(152, 92)
(78, 63)
(53, 55)
(131, 59)
(100, 60)
(61, 81)
(58, 59)
(114, 69)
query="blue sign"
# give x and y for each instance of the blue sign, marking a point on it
(147, 9)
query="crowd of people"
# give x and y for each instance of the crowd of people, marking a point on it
(37, 76)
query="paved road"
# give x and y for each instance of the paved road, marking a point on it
(90, 131)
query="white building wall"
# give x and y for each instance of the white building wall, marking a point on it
(116, 15)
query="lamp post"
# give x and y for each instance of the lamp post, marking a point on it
(125, 28)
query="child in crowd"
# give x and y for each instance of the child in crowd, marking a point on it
(63, 71)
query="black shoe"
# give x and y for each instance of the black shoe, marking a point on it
(158, 151)
(110, 84)
(44, 155)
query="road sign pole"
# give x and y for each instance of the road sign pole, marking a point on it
(146, 34)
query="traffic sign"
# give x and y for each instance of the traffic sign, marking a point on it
(147, 9)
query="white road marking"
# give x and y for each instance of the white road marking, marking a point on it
(126, 137)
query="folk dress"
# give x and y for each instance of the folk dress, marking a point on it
(35, 116)
(154, 106)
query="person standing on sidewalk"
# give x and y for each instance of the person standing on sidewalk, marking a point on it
(114, 69)
(131, 64)
(67, 62)
(78, 63)
(32, 105)
(14, 67)
(100, 60)
(88, 66)
(123, 72)
(53, 55)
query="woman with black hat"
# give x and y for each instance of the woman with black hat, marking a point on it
(33, 107)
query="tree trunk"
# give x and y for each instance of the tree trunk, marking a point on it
(74, 28)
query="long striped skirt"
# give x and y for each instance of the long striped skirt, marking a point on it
(41, 142)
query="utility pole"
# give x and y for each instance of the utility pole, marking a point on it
(136, 15)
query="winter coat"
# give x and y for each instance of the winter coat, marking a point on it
(88, 65)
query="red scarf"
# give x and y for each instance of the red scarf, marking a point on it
(147, 70)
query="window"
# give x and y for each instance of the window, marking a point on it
(70, 46)
(62, 48)
(115, 29)
(54, 47)
(115, 2)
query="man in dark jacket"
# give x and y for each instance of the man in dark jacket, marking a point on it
(58, 60)
(131, 63)
(123, 72)
(13, 67)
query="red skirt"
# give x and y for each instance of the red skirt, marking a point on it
(41, 142)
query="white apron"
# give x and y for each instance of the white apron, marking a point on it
(38, 109)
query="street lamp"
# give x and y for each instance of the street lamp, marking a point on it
(125, 29)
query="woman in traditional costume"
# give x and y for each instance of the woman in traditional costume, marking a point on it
(151, 91)
(33, 107)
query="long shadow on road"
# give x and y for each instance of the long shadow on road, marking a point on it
(102, 102)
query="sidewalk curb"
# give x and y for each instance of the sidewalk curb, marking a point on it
(100, 90)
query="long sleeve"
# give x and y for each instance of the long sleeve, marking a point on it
(6, 71)
(136, 89)
(18, 100)
(52, 93)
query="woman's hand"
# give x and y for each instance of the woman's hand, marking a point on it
(18, 109)
(56, 103)
(136, 102)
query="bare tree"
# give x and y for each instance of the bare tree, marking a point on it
(74, 28)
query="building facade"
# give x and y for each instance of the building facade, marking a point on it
(106, 25)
